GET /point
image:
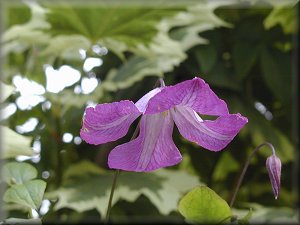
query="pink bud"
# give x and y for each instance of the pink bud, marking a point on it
(273, 164)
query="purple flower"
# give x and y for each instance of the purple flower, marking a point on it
(273, 164)
(160, 108)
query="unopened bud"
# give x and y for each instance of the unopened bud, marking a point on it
(273, 164)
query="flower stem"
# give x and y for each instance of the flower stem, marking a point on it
(114, 184)
(241, 177)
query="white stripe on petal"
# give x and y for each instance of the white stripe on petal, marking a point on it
(213, 135)
(151, 150)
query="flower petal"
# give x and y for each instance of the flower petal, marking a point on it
(212, 135)
(151, 150)
(194, 93)
(108, 122)
(142, 103)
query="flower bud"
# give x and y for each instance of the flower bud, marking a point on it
(273, 164)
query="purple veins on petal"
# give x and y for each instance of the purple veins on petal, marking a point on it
(273, 165)
(160, 108)
(108, 122)
(212, 135)
(195, 94)
(151, 150)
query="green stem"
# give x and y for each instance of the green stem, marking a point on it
(241, 177)
(114, 184)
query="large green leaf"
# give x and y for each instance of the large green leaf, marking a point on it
(87, 187)
(126, 26)
(163, 53)
(18, 173)
(14, 144)
(131, 25)
(137, 28)
(203, 205)
(28, 194)
(61, 30)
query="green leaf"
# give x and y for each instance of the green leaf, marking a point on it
(6, 90)
(198, 18)
(284, 16)
(14, 144)
(286, 3)
(19, 37)
(128, 26)
(244, 57)
(268, 215)
(156, 61)
(119, 28)
(28, 194)
(66, 46)
(226, 165)
(18, 173)
(206, 56)
(277, 72)
(163, 188)
(203, 205)
(188, 36)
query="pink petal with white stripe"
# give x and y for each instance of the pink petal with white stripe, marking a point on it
(195, 94)
(142, 103)
(212, 135)
(108, 122)
(151, 150)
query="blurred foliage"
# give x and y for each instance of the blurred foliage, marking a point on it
(163, 188)
(245, 50)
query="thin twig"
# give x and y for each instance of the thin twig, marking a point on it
(246, 167)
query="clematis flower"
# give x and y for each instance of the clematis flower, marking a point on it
(160, 109)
